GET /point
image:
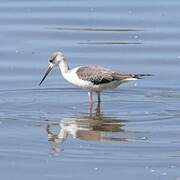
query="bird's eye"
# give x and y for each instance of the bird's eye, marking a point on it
(51, 60)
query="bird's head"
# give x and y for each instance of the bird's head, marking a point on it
(54, 60)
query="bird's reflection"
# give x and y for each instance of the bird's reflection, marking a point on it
(88, 127)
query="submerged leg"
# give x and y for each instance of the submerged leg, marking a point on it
(98, 109)
(90, 102)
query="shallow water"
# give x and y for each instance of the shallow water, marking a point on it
(47, 133)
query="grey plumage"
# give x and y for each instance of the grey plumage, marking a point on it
(98, 75)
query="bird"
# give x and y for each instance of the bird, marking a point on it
(92, 78)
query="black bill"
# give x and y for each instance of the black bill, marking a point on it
(47, 72)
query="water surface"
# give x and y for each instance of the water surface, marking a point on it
(47, 133)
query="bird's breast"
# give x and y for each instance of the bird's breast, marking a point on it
(73, 78)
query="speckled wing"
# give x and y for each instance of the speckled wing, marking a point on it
(98, 75)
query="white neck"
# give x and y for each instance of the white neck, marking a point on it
(63, 66)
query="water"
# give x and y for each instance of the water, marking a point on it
(47, 133)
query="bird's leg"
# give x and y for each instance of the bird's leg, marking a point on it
(98, 109)
(90, 102)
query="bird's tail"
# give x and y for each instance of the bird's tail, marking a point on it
(140, 76)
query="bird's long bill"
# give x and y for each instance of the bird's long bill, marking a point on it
(47, 72)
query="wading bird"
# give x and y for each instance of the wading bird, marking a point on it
(91, 78)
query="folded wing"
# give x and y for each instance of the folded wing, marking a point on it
(98, 75)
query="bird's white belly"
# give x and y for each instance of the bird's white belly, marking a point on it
(108, 86)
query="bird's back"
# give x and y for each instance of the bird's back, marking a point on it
(100, 75)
